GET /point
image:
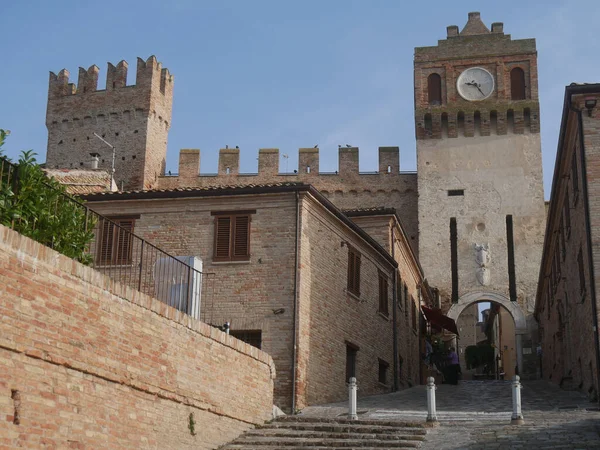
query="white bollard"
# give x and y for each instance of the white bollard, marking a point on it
(517, 416)
(431, 411)
(352, 399)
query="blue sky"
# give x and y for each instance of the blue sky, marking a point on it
(276, 73)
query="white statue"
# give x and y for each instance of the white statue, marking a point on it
(483, 259)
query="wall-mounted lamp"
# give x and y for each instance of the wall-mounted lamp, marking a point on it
(343, 243)
(278, 311)
(590, 104)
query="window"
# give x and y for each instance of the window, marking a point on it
(116, 241)
(399, 291)
(567, 213)
(252, 337)
(575, 177)
(517, 84)
(456, 192)
(512, 276)
(232, 237)
(406, 302)
(383, 370)
(454, 258)
(414, 313)
(581, 274)
(353, 271)
(434, 89)
(351, 351)
(383, 293)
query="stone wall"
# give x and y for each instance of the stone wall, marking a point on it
(135, 119)
(88, 363)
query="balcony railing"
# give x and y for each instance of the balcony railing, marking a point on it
(106, 245)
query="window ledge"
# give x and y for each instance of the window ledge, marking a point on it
(384, 316)
(353, 295)
(224, 263)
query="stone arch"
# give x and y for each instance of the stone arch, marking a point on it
(474, 297)
(512, 307)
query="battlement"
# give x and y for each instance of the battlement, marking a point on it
(308, 162)
(150, 75)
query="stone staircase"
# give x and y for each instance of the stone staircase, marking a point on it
(297, 432)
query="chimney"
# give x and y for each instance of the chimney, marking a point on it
(95, 159)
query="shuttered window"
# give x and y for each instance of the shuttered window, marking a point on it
(434, 89)
(383, 293)
(116, 241)
(414, 313)
(353, 271)
(232, 238)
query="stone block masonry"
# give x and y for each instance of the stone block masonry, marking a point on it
(88, 363)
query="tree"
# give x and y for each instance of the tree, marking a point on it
(40, 208)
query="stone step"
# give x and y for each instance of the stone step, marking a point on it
(333, 427)
(259, 442)
(400, 435)
(299, 447)
(339, 420)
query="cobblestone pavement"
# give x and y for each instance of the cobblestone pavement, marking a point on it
(476, 415)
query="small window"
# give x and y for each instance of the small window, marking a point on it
(517, 84)
(383, 293)
(232, 238)
(399, 292)
(414, 313)
(383, 371)
(351, 352)
(405, 302)
(456, 192)
(434, 89)
(116, 241)
(581, 275)
(353, 271)
(252, 337)
(575, 177)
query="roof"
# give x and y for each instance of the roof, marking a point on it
(81, 182)
(250, 189)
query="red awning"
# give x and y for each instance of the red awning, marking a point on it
(436, 317)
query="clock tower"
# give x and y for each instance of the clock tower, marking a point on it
(479, 167)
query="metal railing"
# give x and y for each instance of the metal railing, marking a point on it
(108, 246)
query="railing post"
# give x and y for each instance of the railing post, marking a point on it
(141, 265)
(517, 416)
(352, 387)
(431, 410)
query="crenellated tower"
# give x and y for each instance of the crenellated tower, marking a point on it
(479, 166)
(134, 119)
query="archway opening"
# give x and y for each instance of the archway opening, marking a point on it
(487, 345)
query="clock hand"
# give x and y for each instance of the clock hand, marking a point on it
(479, 89)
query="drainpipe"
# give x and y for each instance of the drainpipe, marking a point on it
(395, 316)
(588, 230)
(295, 326)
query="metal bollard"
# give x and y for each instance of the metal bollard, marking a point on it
(352, 399)
(431, 411)
(517, 416)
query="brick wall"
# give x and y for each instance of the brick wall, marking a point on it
(88, 363)
(564, 310)
(330, 317)
(347, 188)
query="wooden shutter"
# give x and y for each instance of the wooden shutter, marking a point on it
(241, 238)
(353, 271)
(124, 241)
(383, 294)
(222, 238)
(106, 241)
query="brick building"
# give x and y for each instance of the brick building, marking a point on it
(296, 277)
(566, 304)
(289, 283)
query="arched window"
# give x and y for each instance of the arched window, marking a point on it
(517, 84)
(434, 89)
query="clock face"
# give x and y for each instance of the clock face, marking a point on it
(475, 84)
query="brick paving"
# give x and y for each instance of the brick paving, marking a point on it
(476, 415)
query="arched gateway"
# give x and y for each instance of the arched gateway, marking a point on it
(512, 307)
